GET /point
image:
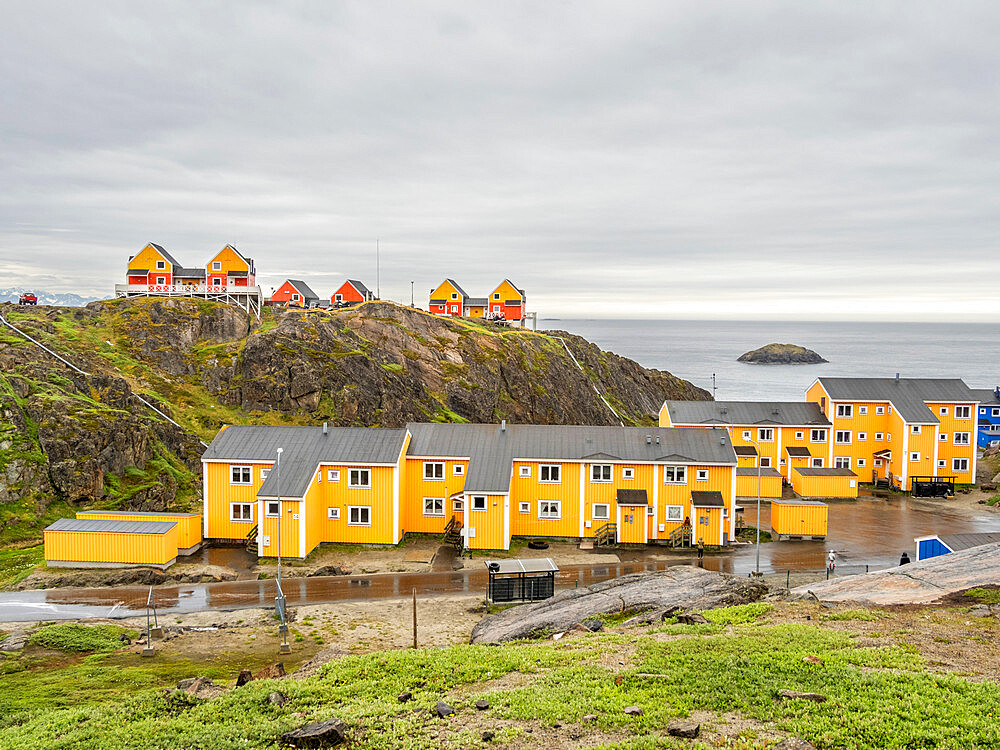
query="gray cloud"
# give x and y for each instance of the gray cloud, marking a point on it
(639, 159)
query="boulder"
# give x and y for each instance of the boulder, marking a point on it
(796, 695)
(271, 672)
(404, 697)
(14, 641)
(482, 705)
(781, 354)
(691, 618)
(329, 733)
(651, 595)
(277, 699)
(442, 709)
(686, 729)
(244, 677)
(633, 711)
(794, 743)
(594, 625)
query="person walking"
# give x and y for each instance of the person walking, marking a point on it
(831, 563)
(701, 553)
(904, 559)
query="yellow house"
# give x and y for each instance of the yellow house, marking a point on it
(896, 429)
(508, 302)
(230, 268)
(780, 435)
(494, 482)
(449, 299)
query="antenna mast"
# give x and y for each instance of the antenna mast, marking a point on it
(378, 277)
(715, 388)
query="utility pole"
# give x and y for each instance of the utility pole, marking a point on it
(411, 295)
(378, 277)
(715, 388)
(279, 600)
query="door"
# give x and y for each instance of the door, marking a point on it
(633, 526)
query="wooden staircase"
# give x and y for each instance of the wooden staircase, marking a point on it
(606, 535)
(453, 535)
(680, 537)
(251, 541)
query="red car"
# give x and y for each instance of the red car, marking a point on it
(27, 299)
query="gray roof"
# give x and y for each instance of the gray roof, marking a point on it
(907, 395)
(776, 501)
(362, 289)
(748, 413)
(303, 288)
(439, 302)
(476, 301)
(189, 273)
(512, 302)
(707, 499)
(631, 497)
(745, 450)
(816, 471)
(112, 527)
(797, 452)
(957, 542)
(987, 396)
(165, 254)
(531, 565)
(492, 451)
(84, 513)
(751, 471)
(457, 287)
(304, 449)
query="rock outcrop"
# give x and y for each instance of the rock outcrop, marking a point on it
(782, 354)
(652, 596)
(917, 583)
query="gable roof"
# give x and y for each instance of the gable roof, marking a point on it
(361, 288)
(165, 254)
(457, 287)
(907, 395)
(302, 287)
(513, 286)
(795, 413)
(986, 396)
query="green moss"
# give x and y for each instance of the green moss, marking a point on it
(393, 367)
(984, 595)
(75, 638)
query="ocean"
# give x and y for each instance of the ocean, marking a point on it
(695, 349)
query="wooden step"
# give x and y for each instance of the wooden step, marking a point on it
(587, 544)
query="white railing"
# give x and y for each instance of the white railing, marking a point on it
(185, 289)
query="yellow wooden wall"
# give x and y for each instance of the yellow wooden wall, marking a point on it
(507, 291)
(325, 494)
(824, 486)
(230, 261)
(290, 528)
(111, 547)
(221, 493)
(746, 486)
(947, 450)
(807, 519)
(530, 490)
(710, 534)
(489, 524)
(188, 525)
(147, 258)
(414, 488)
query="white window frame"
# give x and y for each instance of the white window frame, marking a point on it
(549, 506)
(888, 437)
(963, 412)
(675, 474)
(295, 298)
(524, 507)
(161, 280)
(454, 308)
(362, 511)
(878, 462)
(765, 434)
(817, 462)
(357, 484)
(649, 511)
(607, 512)
(960, 465)
(454, 295)
(845, 411)
(433, 471)
(837, 437)
(747, 434)
(161, 265)
(338, 298)
(496, 296)
(458, 505)
(861, 463)
(333, 475)
(701, 475)
(996, 412)
(628, 473)
(817, 435)
(602, 473)
(842, 462)
(964, 440)
(942, 463)
(765, 463)
(246, 471)
(268, 509)
(942, 437)
(216, 265)
(880, 410)
(458, 470)
(264, 471)
(943, 411)
(241, 519)
(524, 472)
(333, 514)
(862, 410)
(914, 457)
(435, 503)
(862, 437)
(799, 435)
(880, 436)
(675, 513)
(914, 429)
(544, 469)
(476, 501)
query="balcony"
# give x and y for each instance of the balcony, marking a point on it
(248, 298)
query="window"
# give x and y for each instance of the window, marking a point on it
(845, 410)
(817, 463)
(479, 502)
(458, 470)
(524, 472)
(888, 437)
(549, 509)
(765, 434)
(862, 436)
(880, 410)
(817, 436)
(842, 462)
(549, 473)
(161, 279)
(496, 296)
(454, 295)
(879, 436)
(960, 464)
(628, 473)
(359, 479)
(295, 298)
(861, 463)
(333, 475)
(675, 512)
(457, 506)
(962, 412)
(241, 512)
(264, 473)
(702, 475)
(862, 410)
(272, 509)
(943, 437)
(161, 265)
(799, 435)
(433, 470)
(433, 506)
(996, 412)
(454, 308)
(961, 438)
(942, 463)
(914, 457)
(216, 265)
(915, 429)
(781, 462)
(239, 475)
(602, 511)
(600, 473)
(878, 461)
(333, 514)
(765, 461)
(338, 298)
(943, 411)
(359, 515)
(649, 511)
(524, 507)
(843, 437)
(746, 434)
(497, 308)
(674, 474)
(319, 476)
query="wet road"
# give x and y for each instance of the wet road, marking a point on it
(867, 532)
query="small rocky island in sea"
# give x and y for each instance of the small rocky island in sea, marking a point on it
(782, 354)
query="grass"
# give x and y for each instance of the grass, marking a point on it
(79, 639)
(984, 596)
(17, 564)
(865, 615)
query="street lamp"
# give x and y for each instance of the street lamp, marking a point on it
(757, 445)
(279, 600)
(411, 295)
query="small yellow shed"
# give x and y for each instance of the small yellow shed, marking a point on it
(746, 482)
(814, 482)
(97, 543)
(188, 524)
(798, 519)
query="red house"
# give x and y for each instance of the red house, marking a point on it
(351, 292)
(295, 293)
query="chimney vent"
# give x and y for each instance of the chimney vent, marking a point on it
(723, 410)
(503, 425)
(326, 428)
(897, 378)
(649, 439)
(657, 439)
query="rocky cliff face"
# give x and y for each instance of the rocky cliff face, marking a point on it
(81, 440)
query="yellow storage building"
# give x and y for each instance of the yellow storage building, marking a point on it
(816, 482)
(98, 543)
(798, 519)
(188, 524)
(746, 482)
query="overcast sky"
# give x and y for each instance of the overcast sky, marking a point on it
(703, 159)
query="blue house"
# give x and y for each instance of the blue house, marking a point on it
(988, 422)
(942, 544)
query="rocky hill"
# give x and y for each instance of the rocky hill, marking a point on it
(70, 439)
(782, 354)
